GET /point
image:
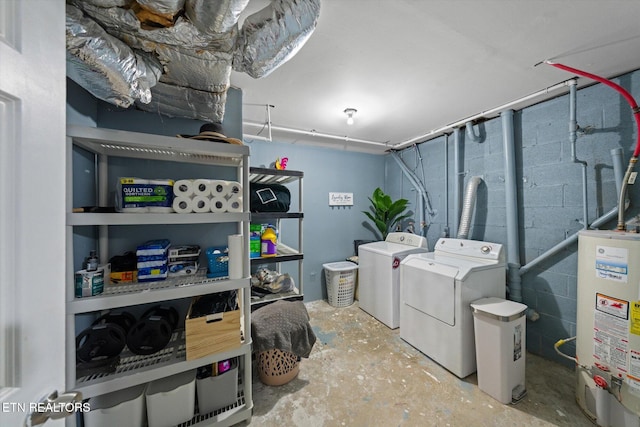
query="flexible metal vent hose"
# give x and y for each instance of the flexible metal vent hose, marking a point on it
(468, 207)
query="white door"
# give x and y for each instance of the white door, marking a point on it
(32, 203)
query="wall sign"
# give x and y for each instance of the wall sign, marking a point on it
(340, 199)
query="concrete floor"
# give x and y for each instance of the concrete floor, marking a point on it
(360, 373)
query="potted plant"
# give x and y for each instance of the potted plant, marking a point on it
(386, 213)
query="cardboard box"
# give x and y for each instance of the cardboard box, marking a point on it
(124, 276)
(212, 334)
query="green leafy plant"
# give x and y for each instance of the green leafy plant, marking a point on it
(386, 213)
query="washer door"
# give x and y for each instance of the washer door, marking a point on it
(430, 288)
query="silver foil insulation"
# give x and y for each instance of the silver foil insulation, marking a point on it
(182, 69)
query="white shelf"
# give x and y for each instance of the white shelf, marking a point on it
(125, 295)
(153, 218)
(134, 369)
(156, 147)
(273, 176)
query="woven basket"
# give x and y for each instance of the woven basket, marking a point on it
(277, 367)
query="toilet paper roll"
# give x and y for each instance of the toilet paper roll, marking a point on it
(202, 187)
(220, 188)
(234, 203)
(201, 204)
(183, 204)
(219, 204)
(183, 187)
(236, 257)
(235, 189)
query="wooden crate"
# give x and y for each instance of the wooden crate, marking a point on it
(212, 334)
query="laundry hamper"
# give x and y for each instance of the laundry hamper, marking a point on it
(341, 282)
(277, 367)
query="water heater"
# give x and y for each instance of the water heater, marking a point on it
(608, 327)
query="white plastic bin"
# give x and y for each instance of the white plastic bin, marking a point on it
(120, 408)
(171, 400)
(341, 282)
(217, 392)
(500, 348)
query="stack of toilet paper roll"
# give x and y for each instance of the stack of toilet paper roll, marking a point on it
(207, 195)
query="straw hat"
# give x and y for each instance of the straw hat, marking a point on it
(212, 132)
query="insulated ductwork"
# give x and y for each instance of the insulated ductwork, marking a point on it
(191, 46)
(167, 9)
(274, 35)
(104, 65)
(468, 207)
(214, 17)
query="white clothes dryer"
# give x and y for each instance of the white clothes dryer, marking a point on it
(437, 289)
(379, 274)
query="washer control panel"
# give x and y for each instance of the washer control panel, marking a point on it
(408, 239)
(470, 248)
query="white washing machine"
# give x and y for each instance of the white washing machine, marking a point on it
(379, 274)
(437, 289)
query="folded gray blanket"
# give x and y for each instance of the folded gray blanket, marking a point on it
(282, 325)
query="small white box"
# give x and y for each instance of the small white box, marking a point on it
(171, 400)
(217, 392)
(120, 408)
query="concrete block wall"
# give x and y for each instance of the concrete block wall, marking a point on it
(550, 201)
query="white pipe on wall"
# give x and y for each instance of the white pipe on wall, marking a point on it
(470, 135)
(616, 156)
(419, 188)
(445, 232)
(310, 133)
(511, 199)
(573, 135)
(458, 181)
(482, 115)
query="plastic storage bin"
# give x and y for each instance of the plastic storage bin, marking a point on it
(171, 400)
(341, 282)
(217, 261)
(120, 408)
(217, 392)
(500, 328)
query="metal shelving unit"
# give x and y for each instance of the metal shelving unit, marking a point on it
(285, 254)
(133, 369)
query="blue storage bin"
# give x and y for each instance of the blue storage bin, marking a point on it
(217, 261)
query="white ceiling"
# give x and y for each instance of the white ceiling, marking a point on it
(411, 67)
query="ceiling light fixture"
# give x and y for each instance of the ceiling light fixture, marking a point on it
(350, 112)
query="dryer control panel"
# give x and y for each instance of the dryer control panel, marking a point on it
(470, 248)
(408, 239)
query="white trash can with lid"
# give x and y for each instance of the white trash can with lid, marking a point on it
(500, 348)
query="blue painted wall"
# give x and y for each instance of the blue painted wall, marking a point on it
(549, 187)
(328, 232)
